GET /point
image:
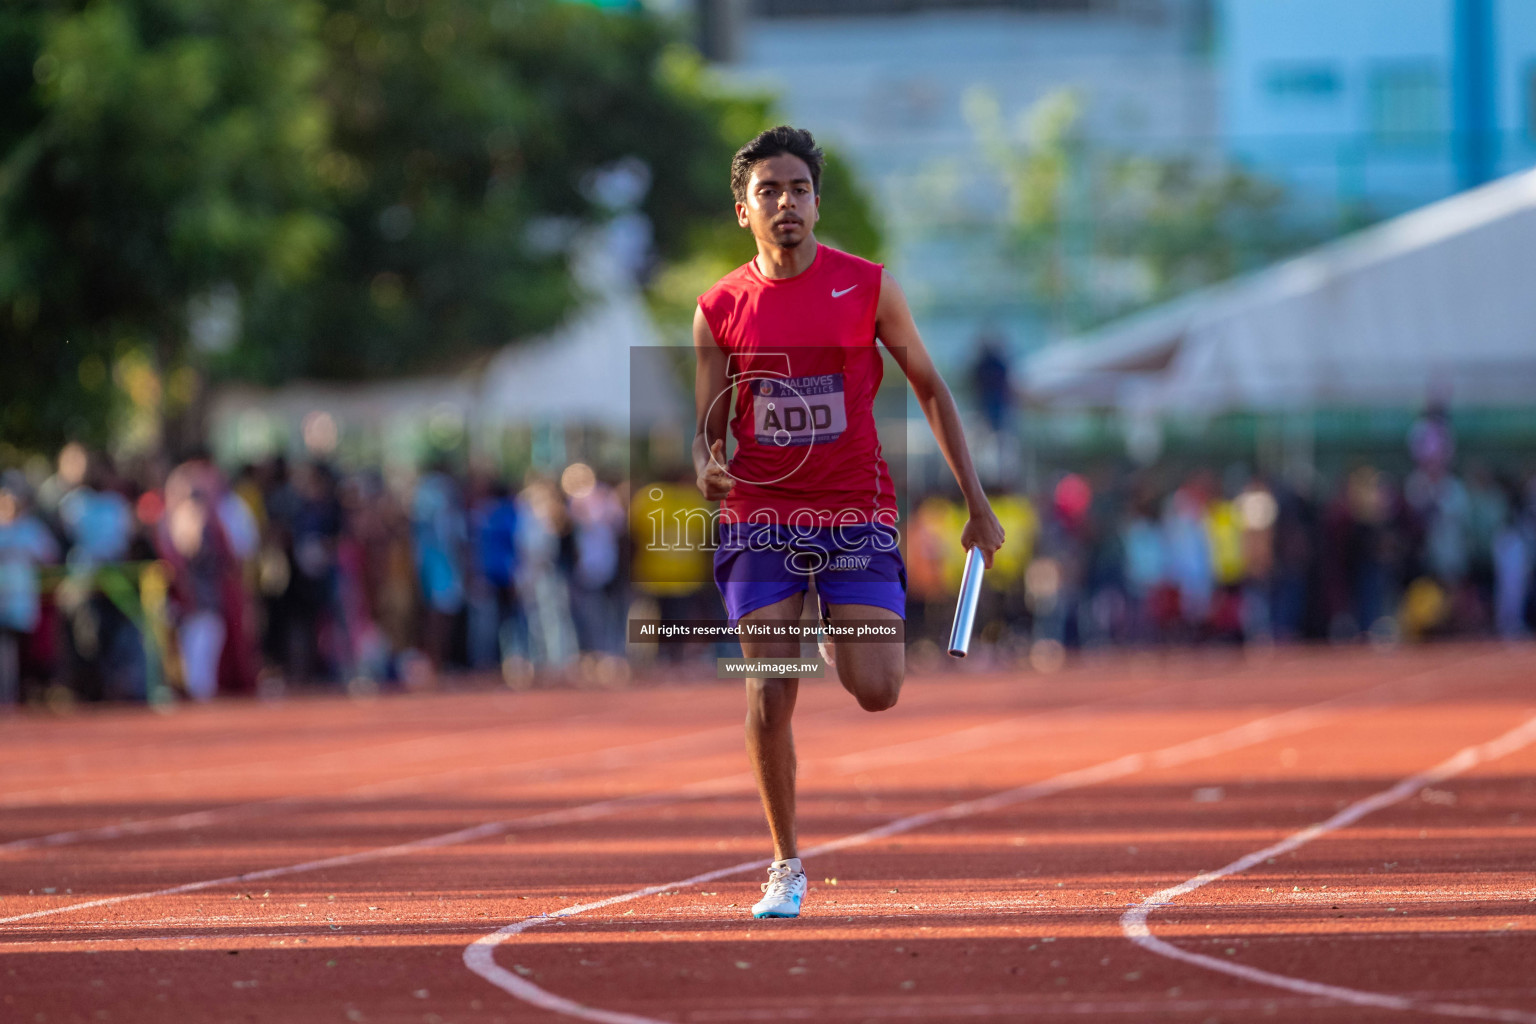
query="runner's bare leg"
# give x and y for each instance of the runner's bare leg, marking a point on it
(872, 672)
(770, 740)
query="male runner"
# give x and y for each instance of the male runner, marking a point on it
(807, 493)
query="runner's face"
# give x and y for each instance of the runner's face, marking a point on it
(782, 205)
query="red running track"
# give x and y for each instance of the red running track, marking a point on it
(978, 853)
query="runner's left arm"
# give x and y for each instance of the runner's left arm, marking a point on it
(898, 332)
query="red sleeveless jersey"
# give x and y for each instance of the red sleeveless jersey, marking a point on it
(802, 357)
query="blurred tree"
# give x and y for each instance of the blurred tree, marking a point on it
(152, 152)
(332, 188)
(471, 135)
(1098, 235)
(1188, 226)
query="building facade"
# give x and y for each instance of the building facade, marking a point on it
(890, 83)
(1384, 104)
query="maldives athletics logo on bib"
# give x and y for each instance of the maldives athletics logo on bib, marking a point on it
(799, 410)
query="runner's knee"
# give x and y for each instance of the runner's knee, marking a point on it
(770, 703)
(878, 691)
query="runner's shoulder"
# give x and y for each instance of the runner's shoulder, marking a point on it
(724, 298)
(838, 259)
(734, 284)
(847, 271)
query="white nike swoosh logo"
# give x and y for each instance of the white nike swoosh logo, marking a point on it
(839, 294)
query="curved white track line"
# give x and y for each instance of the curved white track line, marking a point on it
(1134, 921)
(480, 955)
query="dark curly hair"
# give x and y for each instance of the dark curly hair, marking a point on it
(773, 142)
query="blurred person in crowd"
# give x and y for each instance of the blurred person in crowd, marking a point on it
(1188, 549)
(496, 537)
(597, 524)
(1444, 508)
(1295, 608)
(99, 524)
(1224, 531)
(1431, 439)
(1357, 527)
(25, 544)
(193, 540)
(931, 532)
(1514, 558)
(1147, 584)
(1054, 582)
(320, 638)
(1438, 500)
(365, 654)
(239, 661)
(992, 383)
(1489, 510)
(392, 570)
(670, 557)
(1021, 524)
(1105, 610)
(69, 473)
(546, 553)
(247, 487)
(246, 518)
(1257, 512)
(482, 618)
(97, 519)
(441, 531)
(280, 500)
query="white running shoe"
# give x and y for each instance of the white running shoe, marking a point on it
(783, 891)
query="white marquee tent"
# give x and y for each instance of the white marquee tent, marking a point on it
(1438, 303)
(582, 373)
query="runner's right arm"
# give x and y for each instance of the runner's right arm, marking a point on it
(710, 380)
(898, 331)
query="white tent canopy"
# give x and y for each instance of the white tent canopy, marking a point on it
(1438, 303)
(582, 373)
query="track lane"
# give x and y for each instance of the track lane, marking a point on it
(974, 907)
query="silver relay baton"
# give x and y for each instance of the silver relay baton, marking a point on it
(965, 608)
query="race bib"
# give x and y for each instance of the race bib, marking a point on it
(799, 410)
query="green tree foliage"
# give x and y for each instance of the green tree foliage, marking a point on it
(466, 133)
(1100, 234)
(366, 187)
(150, 150)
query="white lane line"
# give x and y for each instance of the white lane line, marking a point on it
(963, 740)
(602, 759)
(310, 760)
(480, 955)
(602, 808)
(1134, 921)
(485, 830)
(585, 812)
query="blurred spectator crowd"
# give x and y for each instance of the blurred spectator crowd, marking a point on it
(149, 582)
(1129, 558)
